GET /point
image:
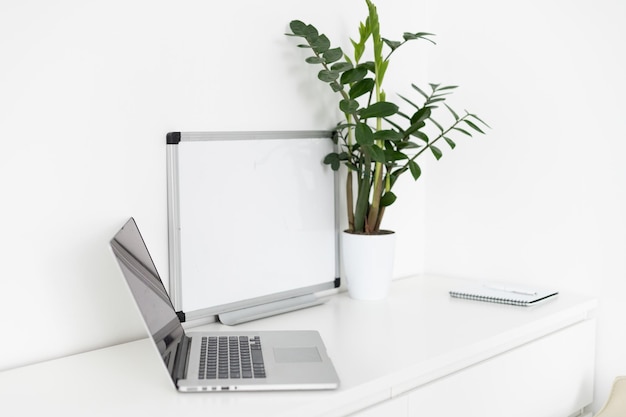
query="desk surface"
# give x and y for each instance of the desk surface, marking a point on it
(434, 336)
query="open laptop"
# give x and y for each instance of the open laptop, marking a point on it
(221, 360)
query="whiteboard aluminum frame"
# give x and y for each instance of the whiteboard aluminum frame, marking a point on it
(278, 302)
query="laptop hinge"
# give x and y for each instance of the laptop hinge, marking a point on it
(181, 316)
(182, 358)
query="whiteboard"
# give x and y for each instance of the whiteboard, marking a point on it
(252, 218)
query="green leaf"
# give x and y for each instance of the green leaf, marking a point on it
(320, 44)
(351, 166)
(315, 60)
(311, 33)
(437, 124)
(387, 199)
(328, 76)
(349, 106)
(364, 134)
(298, 28)
(333, 55)
(407, 145)
(409, 101)
(450, 142)
(414, 129)
(382, 69)
(434, 87)
(436, 151)
(419, 35)
(344, 156)
(332, 159)
(473, 126)
(380, 109)
(442, 95)
(421, 135)
(421, 115)
(456, 116)
(392, 155)
(368, 66)
(402, 115)
(462, 131)
(397, 126)
(415, 169)
(419, 90)
(378, 155)
(336, 86)
(392, 44)
(478, 118)
(391, 135)
(364, 86)
(341, 66)
(342, 126)
(353, 75)
(358, 50)
(364, 31)
(396, 174)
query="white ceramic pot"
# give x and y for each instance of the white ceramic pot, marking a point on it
(368, 264)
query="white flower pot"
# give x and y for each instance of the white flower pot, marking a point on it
(368, 264)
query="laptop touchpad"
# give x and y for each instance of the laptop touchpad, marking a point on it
(299, 354)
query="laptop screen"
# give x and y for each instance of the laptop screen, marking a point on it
(148, 291)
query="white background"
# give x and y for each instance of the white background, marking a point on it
(88, 90)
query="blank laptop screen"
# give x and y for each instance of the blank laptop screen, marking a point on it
(148, 290)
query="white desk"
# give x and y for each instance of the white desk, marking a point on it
(450, 357)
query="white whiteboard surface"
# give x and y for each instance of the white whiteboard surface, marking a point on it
(256, 218)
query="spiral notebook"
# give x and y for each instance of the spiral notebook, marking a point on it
(504, 294)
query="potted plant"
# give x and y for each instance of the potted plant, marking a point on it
(377, 141)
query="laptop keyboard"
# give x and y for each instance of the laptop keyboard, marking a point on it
(224, 357)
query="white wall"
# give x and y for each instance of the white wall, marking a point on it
(89, 89)
(542, 198)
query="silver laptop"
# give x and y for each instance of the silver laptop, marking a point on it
(218, 361)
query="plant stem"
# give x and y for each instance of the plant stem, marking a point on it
(349, 181)
(362, 203)
(350, 201)
(377, 192)
(380, 218)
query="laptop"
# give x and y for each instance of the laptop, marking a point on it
(220, 360)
